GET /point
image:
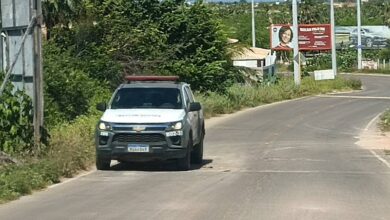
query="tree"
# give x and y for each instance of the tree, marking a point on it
(313, 12)
(61, 12)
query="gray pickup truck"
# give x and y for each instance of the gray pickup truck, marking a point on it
(150, 118)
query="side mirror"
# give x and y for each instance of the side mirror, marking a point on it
(101, 106)
(195, 106)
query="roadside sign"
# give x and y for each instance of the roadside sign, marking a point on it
(311, 37)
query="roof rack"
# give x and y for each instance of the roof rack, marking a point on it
(152, 78)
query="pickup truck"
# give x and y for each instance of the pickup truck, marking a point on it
(150, 118)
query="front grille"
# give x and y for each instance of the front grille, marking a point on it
(126, 138)
(130, 127)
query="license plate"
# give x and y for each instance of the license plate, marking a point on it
(138, 148)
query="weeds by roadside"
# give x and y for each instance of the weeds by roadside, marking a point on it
(242, 96)
(71, 150)
(384, 123)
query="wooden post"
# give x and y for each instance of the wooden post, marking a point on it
(38, 76)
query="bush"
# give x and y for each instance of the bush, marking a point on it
(69, 91)
(72, 145)
(240, 96)
(16, 129)
(16, 181)
(71, 149)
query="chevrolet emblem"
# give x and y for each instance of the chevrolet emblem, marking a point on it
(139, 128)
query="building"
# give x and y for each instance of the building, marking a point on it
(251, 57)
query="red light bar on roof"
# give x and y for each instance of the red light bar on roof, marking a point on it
(152, 78)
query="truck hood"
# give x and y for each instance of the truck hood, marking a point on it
(143, 115)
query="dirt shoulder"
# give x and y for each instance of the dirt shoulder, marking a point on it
(373, 138)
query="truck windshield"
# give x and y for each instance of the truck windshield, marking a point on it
(164, 98)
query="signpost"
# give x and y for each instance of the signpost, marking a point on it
(311, 37)
(297, 74)
(333, 39)
(359, 35)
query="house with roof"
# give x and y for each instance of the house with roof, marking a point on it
(252, 57)
(258, 62)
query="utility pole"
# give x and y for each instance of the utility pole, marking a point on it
(253, 25)
(359, 29)
(333, 38)
(297, 75)
(38, 73)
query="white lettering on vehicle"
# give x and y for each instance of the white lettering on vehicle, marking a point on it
(174, 133)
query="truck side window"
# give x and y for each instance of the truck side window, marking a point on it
(187, 98)
(189, 94)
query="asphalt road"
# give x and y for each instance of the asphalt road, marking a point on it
(291, 160)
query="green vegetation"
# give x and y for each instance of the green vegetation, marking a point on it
(236, 20)
(71, 150)
(384, 123)
(239, 97)
(16, 130)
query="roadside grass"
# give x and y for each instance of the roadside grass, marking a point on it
(242, 96)
(384, 123)
(71, 146)
(71, 150)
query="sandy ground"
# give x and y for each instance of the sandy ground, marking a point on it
(374, 139)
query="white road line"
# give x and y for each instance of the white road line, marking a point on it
(380, 158)
(355, 97)
(373, 152)
(372, 122)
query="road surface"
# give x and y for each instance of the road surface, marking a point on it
(291, 160)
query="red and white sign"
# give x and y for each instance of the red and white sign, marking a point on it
(311, 37)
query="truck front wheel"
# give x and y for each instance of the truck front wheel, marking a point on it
(102, 163)
(184, 163)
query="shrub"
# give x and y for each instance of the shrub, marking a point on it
(69, 91)
(384, 123)
(72, 145)
(16, 130)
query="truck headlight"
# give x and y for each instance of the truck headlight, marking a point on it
(177, 125)
(104, 126)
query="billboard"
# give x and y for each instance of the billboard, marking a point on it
(311, 37)
(373, 37)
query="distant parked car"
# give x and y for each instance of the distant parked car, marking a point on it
(369, 38)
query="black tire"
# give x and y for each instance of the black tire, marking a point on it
(184, 163)
(102, 163)
(197, 153)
